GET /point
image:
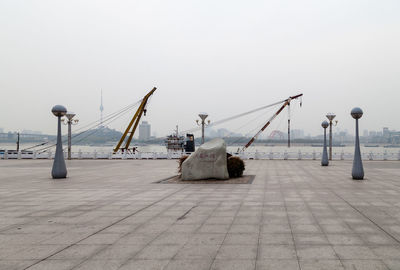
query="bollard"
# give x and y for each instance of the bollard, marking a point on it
(95, 154)
(358, 170)
(110, 155)
(6, 154)
(256, 155)
(271, 155)
(342, 155)
(299, 155)
(19, 155)
(49, 156)
(34, 155)
(80, 154)
(325, 160)
(314, 155)
(370, 156)
(385, 155)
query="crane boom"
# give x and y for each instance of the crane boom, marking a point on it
(286, 103)
(134, 122)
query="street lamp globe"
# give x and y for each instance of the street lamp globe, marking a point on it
(59, 110)
(325, 124)
(356, 113)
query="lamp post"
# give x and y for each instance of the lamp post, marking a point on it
(59, 169)
(324, 161)
(331, 116)
(358, 170)
(203, 124)
(70, 122)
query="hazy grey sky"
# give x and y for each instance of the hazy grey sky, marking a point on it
(223, 57)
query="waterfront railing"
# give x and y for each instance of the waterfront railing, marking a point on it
(257, 155)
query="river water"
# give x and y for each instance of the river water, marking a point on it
(259, 148)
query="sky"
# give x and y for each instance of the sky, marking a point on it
(220, 57)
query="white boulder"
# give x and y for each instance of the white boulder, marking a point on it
(208, 161)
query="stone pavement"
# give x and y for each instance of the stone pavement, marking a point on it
(110, 215)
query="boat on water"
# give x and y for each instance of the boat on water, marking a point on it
(371, 145)
(178, 143)
(335, 145)
(392, 146)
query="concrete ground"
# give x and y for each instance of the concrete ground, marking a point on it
(110, 215)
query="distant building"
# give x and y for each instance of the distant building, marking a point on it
(385, 132)
(32, 132)
(1, 130)
(365, 133)
(297, 134)
(144, 131)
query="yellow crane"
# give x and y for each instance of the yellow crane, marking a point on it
(134, 122)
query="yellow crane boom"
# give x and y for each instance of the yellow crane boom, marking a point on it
(134, 122)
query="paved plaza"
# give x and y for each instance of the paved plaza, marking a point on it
(110, 214)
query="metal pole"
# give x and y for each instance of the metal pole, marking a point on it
(288, 125)
(358, 170)
(324, 161)
(330, 140)
(202, 131)
(69, 139)
(18, 142)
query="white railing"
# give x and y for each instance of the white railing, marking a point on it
(175, 155)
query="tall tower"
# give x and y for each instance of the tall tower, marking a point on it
(101, 109)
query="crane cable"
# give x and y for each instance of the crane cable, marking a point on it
(233, 117)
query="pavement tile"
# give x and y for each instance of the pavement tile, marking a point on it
(197, 252)
(241, 239)
(171, 239)
(221, 264)
(321, 264)
(35, 252)
(276, 239)
(77, 252)
(188, 264)
(310, 239)
(158, 252)
(117, 252)
(206, 239)
(354, 252)
(276, 252)
(316, 252)
(16, 264)
(387, 252)
(365, 265)
(274, 264)
(345, 239)
(392, 264)
(55, 264)
(237, 252)
(139, 264)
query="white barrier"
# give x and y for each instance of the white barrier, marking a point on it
(299, 155)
